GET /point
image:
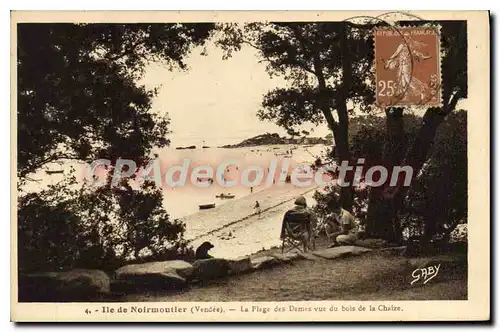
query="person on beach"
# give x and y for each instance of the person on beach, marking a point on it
(257, 207)
(299, 223)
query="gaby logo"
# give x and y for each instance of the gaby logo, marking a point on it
(425, 274)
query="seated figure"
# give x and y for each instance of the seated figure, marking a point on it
(203, 249)
(298, 223)
(341, 226)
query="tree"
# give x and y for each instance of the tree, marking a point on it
(327, 66)
(78, 99)
(47, 234)
(77, 96)
(437, 201)
(439, 194)
(386, 204)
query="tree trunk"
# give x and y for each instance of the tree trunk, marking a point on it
(382, 221)
(417, 155)
(383, 209)
(343, 153)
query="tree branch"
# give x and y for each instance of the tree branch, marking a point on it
(31, 179)
(452, 103)
(267, 59)
(125, 52)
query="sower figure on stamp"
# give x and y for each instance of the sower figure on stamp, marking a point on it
(299, 223)
(407, 84)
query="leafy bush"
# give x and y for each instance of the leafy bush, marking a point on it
(437, 200)
(104, 227)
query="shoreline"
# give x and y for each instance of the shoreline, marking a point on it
(236, 229)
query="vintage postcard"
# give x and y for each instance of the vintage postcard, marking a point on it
(250, 166)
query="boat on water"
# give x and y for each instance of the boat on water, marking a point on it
(206, 206)
(224, 196)
(191, 147)
(54, 172)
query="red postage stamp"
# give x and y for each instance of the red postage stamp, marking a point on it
(408, 66)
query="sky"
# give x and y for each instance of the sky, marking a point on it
(215, 100)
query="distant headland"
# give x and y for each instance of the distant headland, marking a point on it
(274, 139)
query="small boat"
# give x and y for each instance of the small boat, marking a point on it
(223, 196)
(191, 147)
(206, 206)
(54, 172)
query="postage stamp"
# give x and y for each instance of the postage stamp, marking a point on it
(408, 66)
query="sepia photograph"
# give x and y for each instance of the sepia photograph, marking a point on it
(249, 165)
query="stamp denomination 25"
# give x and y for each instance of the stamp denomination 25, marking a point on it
(408, 66)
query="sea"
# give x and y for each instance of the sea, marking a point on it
(233, 225)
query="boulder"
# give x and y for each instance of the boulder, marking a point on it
(182, 268)
(346, 239)
(211, 268)
(264, 262)
(307, 256)
(152, 276)
(240, 265)
(288, 257)
(68, 286)
(342, 251)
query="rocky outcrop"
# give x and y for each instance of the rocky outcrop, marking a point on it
(152, 276)
(240, 265)
(340, 252)
(288, 257)
(69, 286)
(264, 262)
(264, 139)
(307, 256)
(274, 139)
(212, 268)
(348, 239)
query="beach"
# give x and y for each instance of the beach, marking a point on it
(181, 201)
(234, 227)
